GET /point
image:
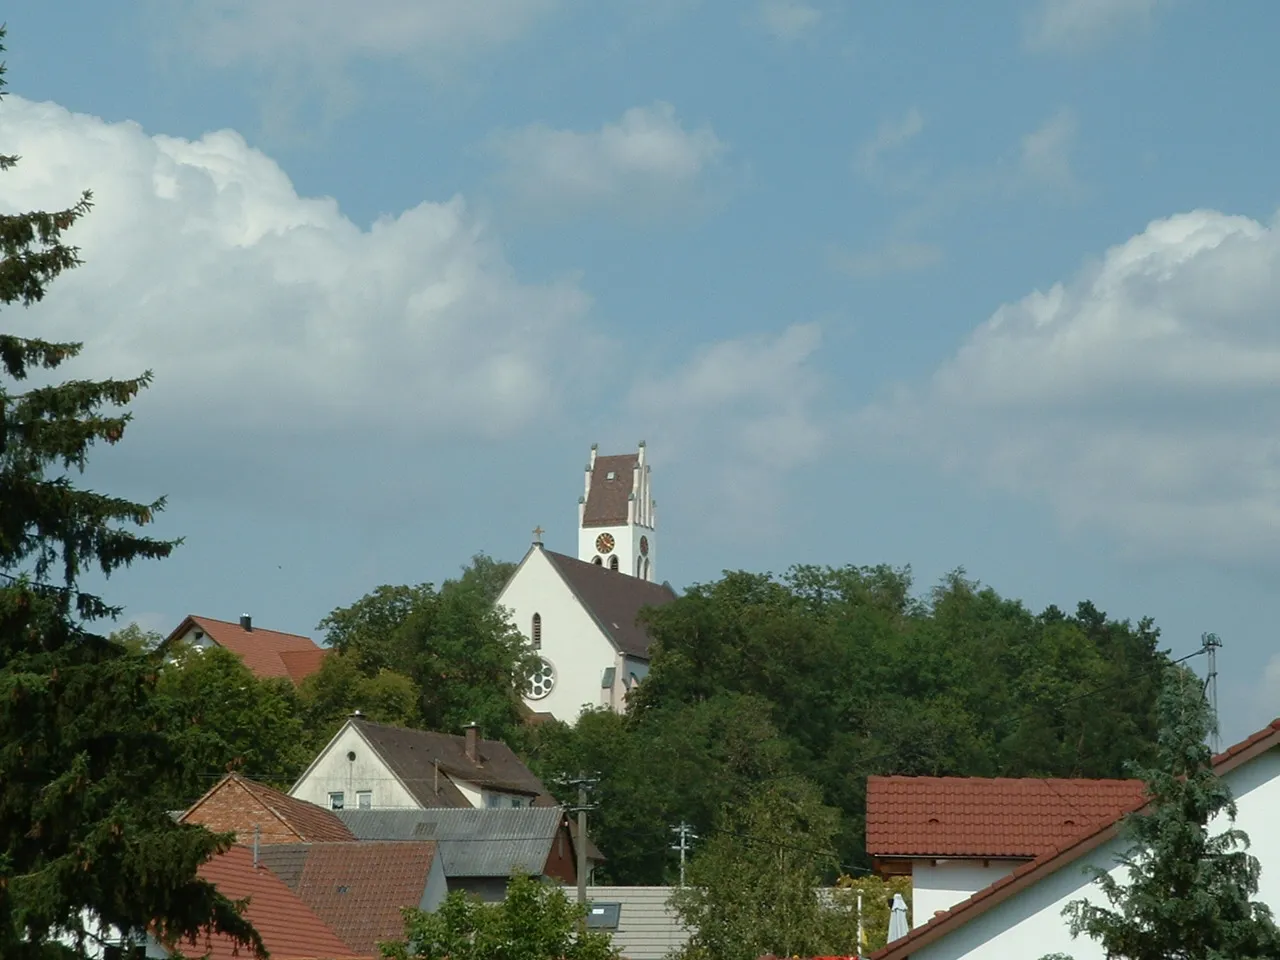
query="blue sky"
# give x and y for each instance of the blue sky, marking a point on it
(990, 286)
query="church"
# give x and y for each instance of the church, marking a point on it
(579, 613)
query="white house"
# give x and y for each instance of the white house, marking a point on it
(1020, 914)
(580, 614)
(372, 766)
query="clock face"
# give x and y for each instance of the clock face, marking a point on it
(644, 546)
(604, 543)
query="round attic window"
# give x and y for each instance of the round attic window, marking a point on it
(351, 755)
(542, 681)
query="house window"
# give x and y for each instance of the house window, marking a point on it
(491, 800)
(364, 799)
(335, 800)
(537, 631)
(613, 562)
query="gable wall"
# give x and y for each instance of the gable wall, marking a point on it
(332, 771)
(1030, 924)
(571, 640)
(561, 864)
(233, 809)
(938, 885)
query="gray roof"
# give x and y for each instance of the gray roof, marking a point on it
(614, 599)
(648, 928)
(413, 755)
(472, 843)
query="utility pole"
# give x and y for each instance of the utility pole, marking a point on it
(584, 784)
(685, 832)
(1210, 643)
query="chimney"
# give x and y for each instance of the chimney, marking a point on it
(246, 622)
(473, 742)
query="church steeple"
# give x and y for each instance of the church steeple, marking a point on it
(617, 514)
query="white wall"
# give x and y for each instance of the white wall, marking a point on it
(571, 640)
(332, 771)
(938, 885)
(1030, 925)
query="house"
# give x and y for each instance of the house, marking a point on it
(482, 849)
(579, 614)
(373, 766)
(640, 920)
(289, 929)
(955, 835)
(255, 812)
(1020, 914)
(267, 653)
(359, 889)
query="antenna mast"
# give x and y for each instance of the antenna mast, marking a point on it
(1210, 644)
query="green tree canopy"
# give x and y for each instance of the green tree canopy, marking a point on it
(465, 659)
(85, 758)
(1189, 891)
(536, 921)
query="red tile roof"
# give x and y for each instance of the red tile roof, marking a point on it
(267, 653)
(1051, 861)
(973, 817)
(358, 889)
(306, 821)
(289, 930)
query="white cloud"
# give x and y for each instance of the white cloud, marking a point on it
(891, 135)
(324, 32)
(263, 311)
(646, 164)
(788, 20)
(1076, 25)
(1046, 154)
(747, 411)
(1140, 397)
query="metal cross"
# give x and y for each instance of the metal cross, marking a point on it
(537, 534)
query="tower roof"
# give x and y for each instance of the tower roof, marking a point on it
(612, 483)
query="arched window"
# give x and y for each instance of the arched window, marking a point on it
(613, 562)
(537, 631)
(646, 568)
(596, 561)
(638, 563)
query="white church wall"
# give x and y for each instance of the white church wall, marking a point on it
(334, 772)
(1030, 923)
(571, 641)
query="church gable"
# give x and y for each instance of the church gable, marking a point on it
(613, 601)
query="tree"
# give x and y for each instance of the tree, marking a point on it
(84, 754)
(1189, 892)
(877, 900)
(225, 718)
(753, 888)
(136, 639)
(536, 921)
(340, 687)
(466, 660)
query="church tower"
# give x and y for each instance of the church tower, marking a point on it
(616, 514)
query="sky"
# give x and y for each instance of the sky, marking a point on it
(984, 286)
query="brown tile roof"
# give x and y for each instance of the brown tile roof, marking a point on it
(289, 929)
(973, 817)
(306, 821)
(1051, 861)
(412, 754)
(614, 599)
(267, 653)
(357, 889)
(607, 499)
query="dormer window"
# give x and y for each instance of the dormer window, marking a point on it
(611, 475)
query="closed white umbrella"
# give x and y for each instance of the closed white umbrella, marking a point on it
(898, 918)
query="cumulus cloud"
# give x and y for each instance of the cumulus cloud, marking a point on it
(788, 20)
(1139, 397)
(746, 410)
(1069, 26)
(1046, 154)
(645, 164)
(266, 311)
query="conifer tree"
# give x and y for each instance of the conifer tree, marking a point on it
(86, 844)
(1189, 891)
